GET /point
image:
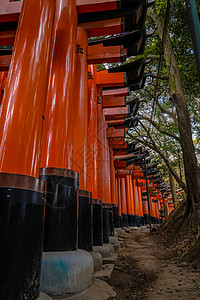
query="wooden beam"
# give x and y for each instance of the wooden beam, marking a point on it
(117, 147)
(5, 62)
(118, 175)
(98, 54)
(139, 184)
(120, 164)
(119, 152)
(121, 92)
(111, 132)
(113, 142)
(11, 8)
(130, 167)
(86, 6)
(116, 122)
(104, 27)
(125, 172)
(113, 113)
(105, 79)
(111, 101)
(10, 11)
(7, 37)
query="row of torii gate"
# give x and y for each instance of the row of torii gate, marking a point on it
(63, 124)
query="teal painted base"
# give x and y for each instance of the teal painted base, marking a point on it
(67, 272)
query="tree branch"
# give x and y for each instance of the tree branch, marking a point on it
(164, 111)
(154, 147)
(155, 125)
(164, 77)
(153, 56)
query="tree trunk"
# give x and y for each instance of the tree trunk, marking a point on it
(173, 188)
(192, 173)
(190, 162)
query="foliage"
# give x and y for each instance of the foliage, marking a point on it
(156, 107)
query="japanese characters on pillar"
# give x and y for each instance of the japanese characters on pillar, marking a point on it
(81, 109)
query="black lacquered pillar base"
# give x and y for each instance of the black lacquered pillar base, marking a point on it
(21, 236)
(115, 216)
(142, 221)
(85, 221)
(97, 222)
(146, 219)
(131, 220)
(158, 221)
(105, 212)
(60, 230)
(125, 220)
(153, 220)
(138, 221)
(120, 221)
(111, 221)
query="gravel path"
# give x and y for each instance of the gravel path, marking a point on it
(147, 270)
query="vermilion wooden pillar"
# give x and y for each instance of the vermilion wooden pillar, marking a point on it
(80, 147)
(104, 187)
(21, 121)
(123, 202)
(119, 202)
(108, 180)
(100, 136)
(112, 177)
(114, 195)
(145, 204)
(136, 204)
(130, 204)
(92, 150)
(140, 203)
(159, 207)
(92, 158)
(56, 162)
(128, 198)
(157, 211)
(100, 162)
(107, 171)
(3, 77)
(152, 210)
(132, 221)
(117, 205)
(106, 164)
(81, 110)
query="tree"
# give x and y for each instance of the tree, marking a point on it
(173, 98)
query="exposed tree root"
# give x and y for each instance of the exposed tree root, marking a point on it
(181, 232)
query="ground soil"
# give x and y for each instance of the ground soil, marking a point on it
(145, 269)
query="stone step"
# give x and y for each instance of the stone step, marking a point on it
(119, 231)
(110, 260)
(109, 246)
(99, 290)
(126, 229)
(104, 250)
(117, 246)
(113, 240)
(44, 296)
(105, 272)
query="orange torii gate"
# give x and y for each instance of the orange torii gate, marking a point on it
(43, 67)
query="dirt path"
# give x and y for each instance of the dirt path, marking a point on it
(146, 270)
